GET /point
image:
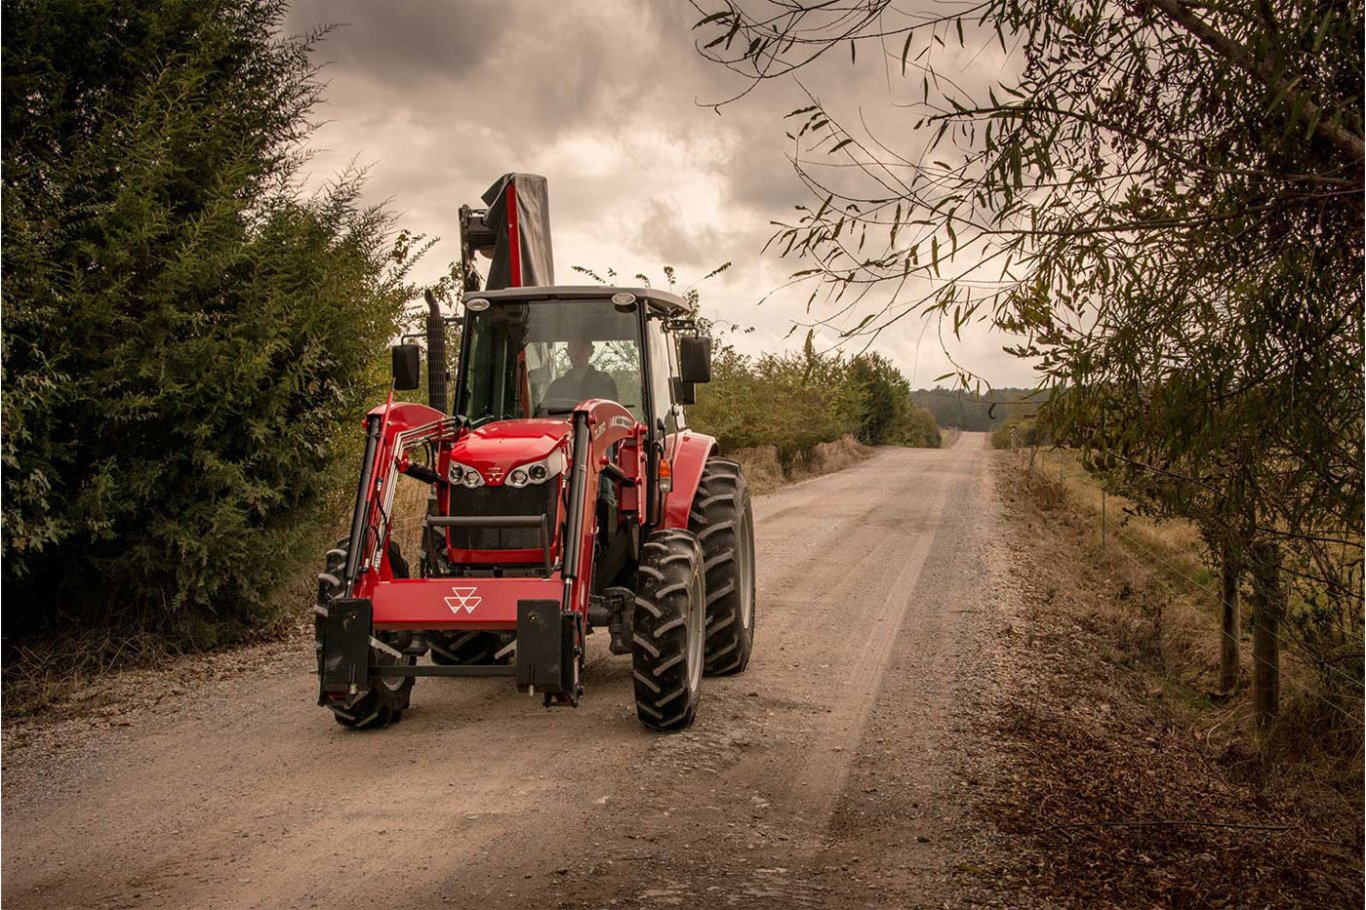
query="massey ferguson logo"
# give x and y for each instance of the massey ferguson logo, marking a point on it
(465, 599)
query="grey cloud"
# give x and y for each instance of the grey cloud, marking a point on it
(404, 44)
(665, 234)
(601, 97)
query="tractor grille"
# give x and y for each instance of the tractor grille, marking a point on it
(532, 499)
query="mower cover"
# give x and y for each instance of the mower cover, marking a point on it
(519, 205)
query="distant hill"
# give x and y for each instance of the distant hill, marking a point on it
(966, 411)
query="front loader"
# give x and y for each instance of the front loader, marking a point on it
(566, 495)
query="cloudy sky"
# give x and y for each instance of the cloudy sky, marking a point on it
(607, 99)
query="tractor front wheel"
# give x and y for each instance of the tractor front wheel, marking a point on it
(383, 704)
(455, 648)
(723, 520)
(668, 630)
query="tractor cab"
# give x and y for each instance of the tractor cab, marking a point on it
(537, 352)
(531, 357)
(565, 493)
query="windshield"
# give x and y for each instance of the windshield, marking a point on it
(539, 359)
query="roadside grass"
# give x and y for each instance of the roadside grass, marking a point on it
(48, 671)
(1169, 590)
(1128, 779)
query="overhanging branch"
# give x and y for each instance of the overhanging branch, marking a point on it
(1340, 137)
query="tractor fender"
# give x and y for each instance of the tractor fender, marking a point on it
(690, 453)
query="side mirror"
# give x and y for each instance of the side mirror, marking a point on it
(694, 359)
(407, 367)
(684, 392)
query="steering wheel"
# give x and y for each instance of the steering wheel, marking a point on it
(555, 407)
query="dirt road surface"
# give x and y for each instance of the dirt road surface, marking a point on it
(834, 772)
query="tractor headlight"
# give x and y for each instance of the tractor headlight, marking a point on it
(538, 471)
(465, 475)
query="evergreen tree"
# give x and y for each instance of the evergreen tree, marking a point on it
(184, 333)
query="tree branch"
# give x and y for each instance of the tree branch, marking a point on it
(1334, 133)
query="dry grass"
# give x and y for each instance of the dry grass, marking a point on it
(1175, 540)
(761, 467)
(47, 672)
(765, 474)
(1169, 557)
(828, 457)
(1167, 610)
(408, 513)
(1129, 782)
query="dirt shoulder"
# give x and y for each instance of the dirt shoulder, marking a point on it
(1117, 781)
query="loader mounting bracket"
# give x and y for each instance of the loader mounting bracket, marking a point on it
(548, 651)
(346, 647)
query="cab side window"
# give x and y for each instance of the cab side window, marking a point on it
(671, 342)
(663, 364)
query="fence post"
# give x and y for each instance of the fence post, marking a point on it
(1102, 519)
(1268, 603)
(1228, 646)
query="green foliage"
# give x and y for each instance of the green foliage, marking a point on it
(1164, 202)
(796, 401)
(184, 335)
(887, 412)
(1016, 433)
(977, 413)
(790, 401)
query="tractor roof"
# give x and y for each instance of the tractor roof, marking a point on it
(660, 301)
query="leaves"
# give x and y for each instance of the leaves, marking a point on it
(1162, 204)
(185, 337)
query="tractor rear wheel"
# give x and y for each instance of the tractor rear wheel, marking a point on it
(668, 630)
(722, 517)
(383, 704)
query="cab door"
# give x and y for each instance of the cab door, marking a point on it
(666, 417)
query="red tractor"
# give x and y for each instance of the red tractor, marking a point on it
(566, 494)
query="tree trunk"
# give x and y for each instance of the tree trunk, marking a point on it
(1268, 605)
(1228, 650)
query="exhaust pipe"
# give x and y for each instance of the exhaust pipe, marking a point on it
(437, 375)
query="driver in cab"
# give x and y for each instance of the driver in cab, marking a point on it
(583, 380)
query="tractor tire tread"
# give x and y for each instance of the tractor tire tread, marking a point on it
(381, 706)
(670, 587)
(721, 512)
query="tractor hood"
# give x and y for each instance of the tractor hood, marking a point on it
(494, 449)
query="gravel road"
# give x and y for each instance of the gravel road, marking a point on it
(834, 772)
